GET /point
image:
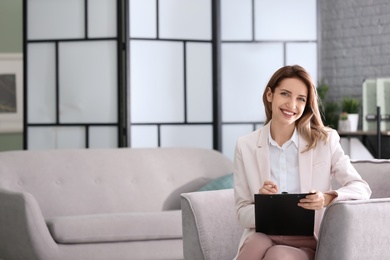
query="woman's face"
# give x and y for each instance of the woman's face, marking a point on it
(288, 101)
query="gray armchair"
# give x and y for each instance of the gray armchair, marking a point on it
(211, 230)
(351, 230)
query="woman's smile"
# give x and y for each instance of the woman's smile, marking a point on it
(287, 113)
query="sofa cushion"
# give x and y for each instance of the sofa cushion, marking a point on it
(116, 227)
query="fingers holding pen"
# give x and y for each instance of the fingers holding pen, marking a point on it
(269, 187)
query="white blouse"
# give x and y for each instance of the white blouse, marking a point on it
(284, 164)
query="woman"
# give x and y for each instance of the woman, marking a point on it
(292, 153)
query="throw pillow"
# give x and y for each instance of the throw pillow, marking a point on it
(223, 182)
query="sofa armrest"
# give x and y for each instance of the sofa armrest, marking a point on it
(210, 228)
(23, 231)
(353, 230)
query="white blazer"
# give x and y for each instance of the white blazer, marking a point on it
(316, 168)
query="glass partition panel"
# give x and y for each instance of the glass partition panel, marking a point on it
(246, 69)
(285, 20)
(304, 54)
(56, 138)
(48, 19)
(87, 74)
(157, 81)
(144, 136)
(187, 136)
(236, 20)
(190, 19)
(199, 82)
(142, 19)
(103, 137)
(102, 18)
(257, 126)
(41, 94)
(230, 134)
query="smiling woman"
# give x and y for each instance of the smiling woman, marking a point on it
(290, 148)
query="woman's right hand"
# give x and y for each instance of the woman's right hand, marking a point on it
(269, 187)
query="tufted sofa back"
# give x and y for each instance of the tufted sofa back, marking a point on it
(377, 174)
(95, 181)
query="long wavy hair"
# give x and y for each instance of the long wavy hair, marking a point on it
(310, 124)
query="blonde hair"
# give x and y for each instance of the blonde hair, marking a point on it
(310, 124)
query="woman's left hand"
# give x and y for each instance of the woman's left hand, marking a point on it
(314, 201)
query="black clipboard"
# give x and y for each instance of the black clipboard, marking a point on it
(279, 214)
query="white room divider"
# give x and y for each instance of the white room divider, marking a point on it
(72, 83)
(196, 69)
(171, 73)
(171, 65)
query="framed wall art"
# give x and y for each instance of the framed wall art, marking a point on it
(11, 92)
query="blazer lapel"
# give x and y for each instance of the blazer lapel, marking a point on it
(305, 165)
(262, 154)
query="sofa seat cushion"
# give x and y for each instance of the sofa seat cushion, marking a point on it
(116, 227)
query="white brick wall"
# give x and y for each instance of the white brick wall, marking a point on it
(355, 44)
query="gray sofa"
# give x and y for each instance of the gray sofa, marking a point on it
(99, 204)
(351, 230)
